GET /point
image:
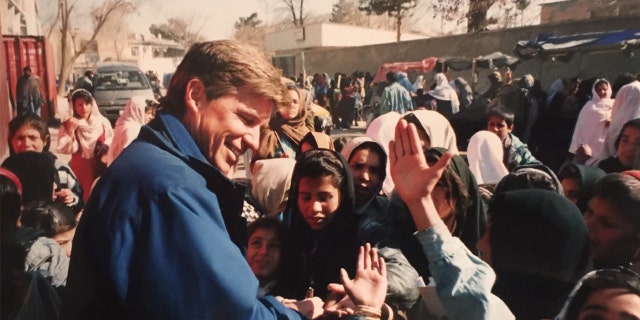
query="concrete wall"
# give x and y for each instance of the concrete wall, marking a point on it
(325, 34)
(369, 58)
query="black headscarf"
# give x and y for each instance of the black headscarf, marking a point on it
(314, 257)
(530, 176)
(36, 171)
(589, 175)
(539, 250)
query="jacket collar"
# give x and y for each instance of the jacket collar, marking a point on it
(168, 133)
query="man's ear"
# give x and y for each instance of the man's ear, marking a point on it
(510, 128)
(194, 93)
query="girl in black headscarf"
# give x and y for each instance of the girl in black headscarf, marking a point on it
(536, 241)
(326, 233)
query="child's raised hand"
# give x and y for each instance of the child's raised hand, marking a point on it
(413, 178)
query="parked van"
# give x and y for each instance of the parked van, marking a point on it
(117, 82)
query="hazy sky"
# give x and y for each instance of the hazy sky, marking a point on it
(214, 18)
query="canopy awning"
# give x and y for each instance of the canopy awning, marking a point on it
(490, 61)
(548, 43)
(425, 65)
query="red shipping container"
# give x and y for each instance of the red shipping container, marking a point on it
(37, 53)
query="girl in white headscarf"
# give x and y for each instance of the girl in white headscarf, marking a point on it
(593, 122)
(80, 135)
(485, 153)
(128, 125)
(432, 126)
(446, 95)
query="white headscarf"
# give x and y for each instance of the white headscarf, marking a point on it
(443, 91)
(382, 130)
(270, 183)
(485, 153)
(591, 128)
(418, 83)
(89, 130)
(438, 128)
(128, 126)
(625, 108)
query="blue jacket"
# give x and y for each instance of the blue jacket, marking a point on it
(463, 281)
(518, 154)
(152, 242)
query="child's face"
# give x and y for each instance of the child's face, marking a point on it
(149, 114)
(601, 90)
(318, 201)
(82, 108)
(499, 126)
(611, 303)
(64, 239)
(628, 146)
(366, 170)
(571, 187)
(27, 138)
(263, 253)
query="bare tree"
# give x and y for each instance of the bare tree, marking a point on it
(296, 9)
(100, 15)
(116, 32)
(399, 9)
(522, 5)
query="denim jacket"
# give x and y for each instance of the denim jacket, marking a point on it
(463, 281)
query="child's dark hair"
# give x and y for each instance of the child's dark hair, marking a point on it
(622, 192)
(621, 278)
(340, 142)
(50, 217)
(569, 171)
(502, 113)
(456, 190)
(600, 82)
(317, 163)
(33, 121)
(267, 223)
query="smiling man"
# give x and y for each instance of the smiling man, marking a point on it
(154, 241)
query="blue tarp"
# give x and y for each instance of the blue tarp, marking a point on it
(549, 43)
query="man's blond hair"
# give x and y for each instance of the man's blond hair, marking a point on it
(224, 67)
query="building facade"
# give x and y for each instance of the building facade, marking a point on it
(563, 11)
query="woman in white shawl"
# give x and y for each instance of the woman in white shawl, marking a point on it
(431, 125)
(485, 153)
(418, 84)
(625, 108)
(446, 96)
(133, 117)
(79, 136)
(593, 122)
